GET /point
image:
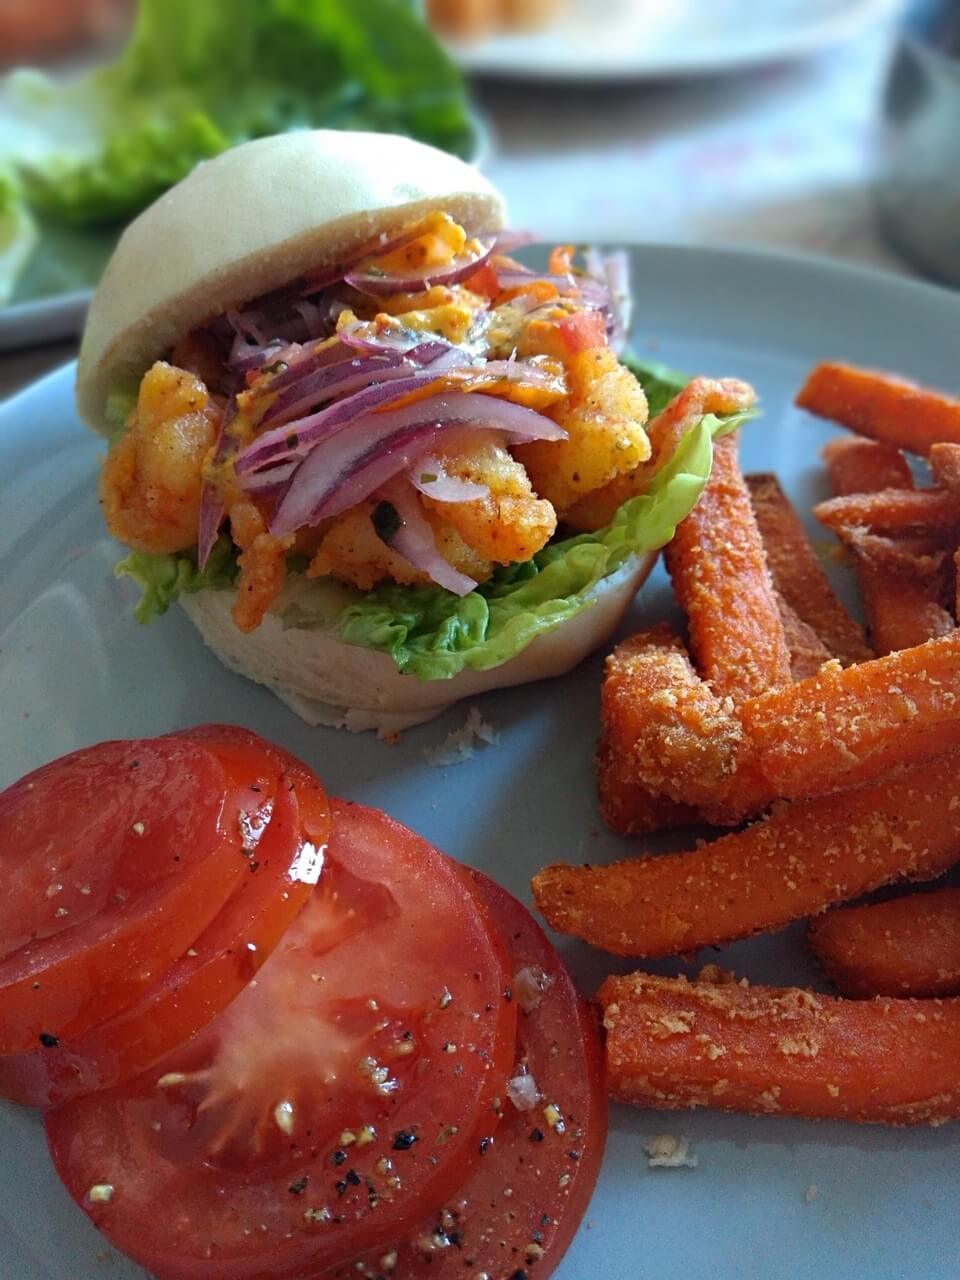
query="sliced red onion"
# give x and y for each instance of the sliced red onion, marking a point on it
(347, 466)
(310, 313)
(317, 385)
(507, 241)
(211, 505)
(617, 272)
(415, 541)
(296, 438)
(428, 475)
(300, 360)
(245, 326)
(380, 283)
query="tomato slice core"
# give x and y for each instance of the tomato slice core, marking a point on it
(113, 859)
(518, 1212)
(342, 1094)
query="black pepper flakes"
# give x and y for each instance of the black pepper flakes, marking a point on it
(48, 1041)
(536, 1135)
(519, 1275)
(353, 1178)
(339, 1157)
(340, 1186)
(485, 1145)
(299, 1187)
(404, 1139)
(573, 1155)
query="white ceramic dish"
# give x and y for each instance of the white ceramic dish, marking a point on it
(660, 39)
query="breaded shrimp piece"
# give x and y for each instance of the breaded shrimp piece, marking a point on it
(151, 480)
(511, 523)
(604, 418)
(352, 551)
(262, 561)
(665, 431)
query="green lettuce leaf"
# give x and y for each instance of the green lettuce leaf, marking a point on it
(163, 578)
(198, 77)
(18, 235)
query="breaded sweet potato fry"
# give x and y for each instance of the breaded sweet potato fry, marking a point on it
(665, 726)
(807, 651)
(864, 466)
(671, 1043)
(906, 947)
(944, 462)
(848, 725)
(630, 808)
(798, 575)
(901, 603)
(721, 581)
(927, 511)
(804, 857)
(881, 406)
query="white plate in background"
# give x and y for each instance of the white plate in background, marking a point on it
(659, 39)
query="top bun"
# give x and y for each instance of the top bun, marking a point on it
(250, 221)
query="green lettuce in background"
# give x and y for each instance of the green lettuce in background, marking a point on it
(432, 634)
(199, 76)
(17, 234)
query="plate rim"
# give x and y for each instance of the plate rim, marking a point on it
(482, 58)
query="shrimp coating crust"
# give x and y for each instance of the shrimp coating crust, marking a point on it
(511, 523)
(604, 418)
(152, 478)
(262, 561)
(352, 551)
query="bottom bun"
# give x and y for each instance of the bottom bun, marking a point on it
(328, 682)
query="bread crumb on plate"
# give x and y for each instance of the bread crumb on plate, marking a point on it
(460, 744)
(667, 1151)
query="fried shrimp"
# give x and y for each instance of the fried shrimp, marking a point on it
(355, 550)
(510, 523)
(665, 431)
(604, 418)
(262, 561)
(151, 481)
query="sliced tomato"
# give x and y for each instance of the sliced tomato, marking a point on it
(113, 859)
(343, 1093)
(484, 281)
(281, 875)
(519, 1211)
(582, 331)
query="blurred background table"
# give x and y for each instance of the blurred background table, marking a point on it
(782, 156)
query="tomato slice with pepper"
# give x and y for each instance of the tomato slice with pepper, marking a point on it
(518, 1212)
(582, 331)
(113, 859)
(343, 1094)
(281, 873)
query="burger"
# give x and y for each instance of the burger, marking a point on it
(380, 463)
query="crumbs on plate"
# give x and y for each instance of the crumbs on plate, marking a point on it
(460, 744)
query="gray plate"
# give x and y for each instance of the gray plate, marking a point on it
(74, 668)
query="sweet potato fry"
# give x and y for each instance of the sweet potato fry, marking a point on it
(901, 601)
(864, 466)
(630, 808)
(804, 857)
(798, 575)
(664, 725)
(907, 947)
(781, 1051)
(721, 580)
(848, 725)
(944, 462)
(807, 651)
(927, 511)
(881, 406)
